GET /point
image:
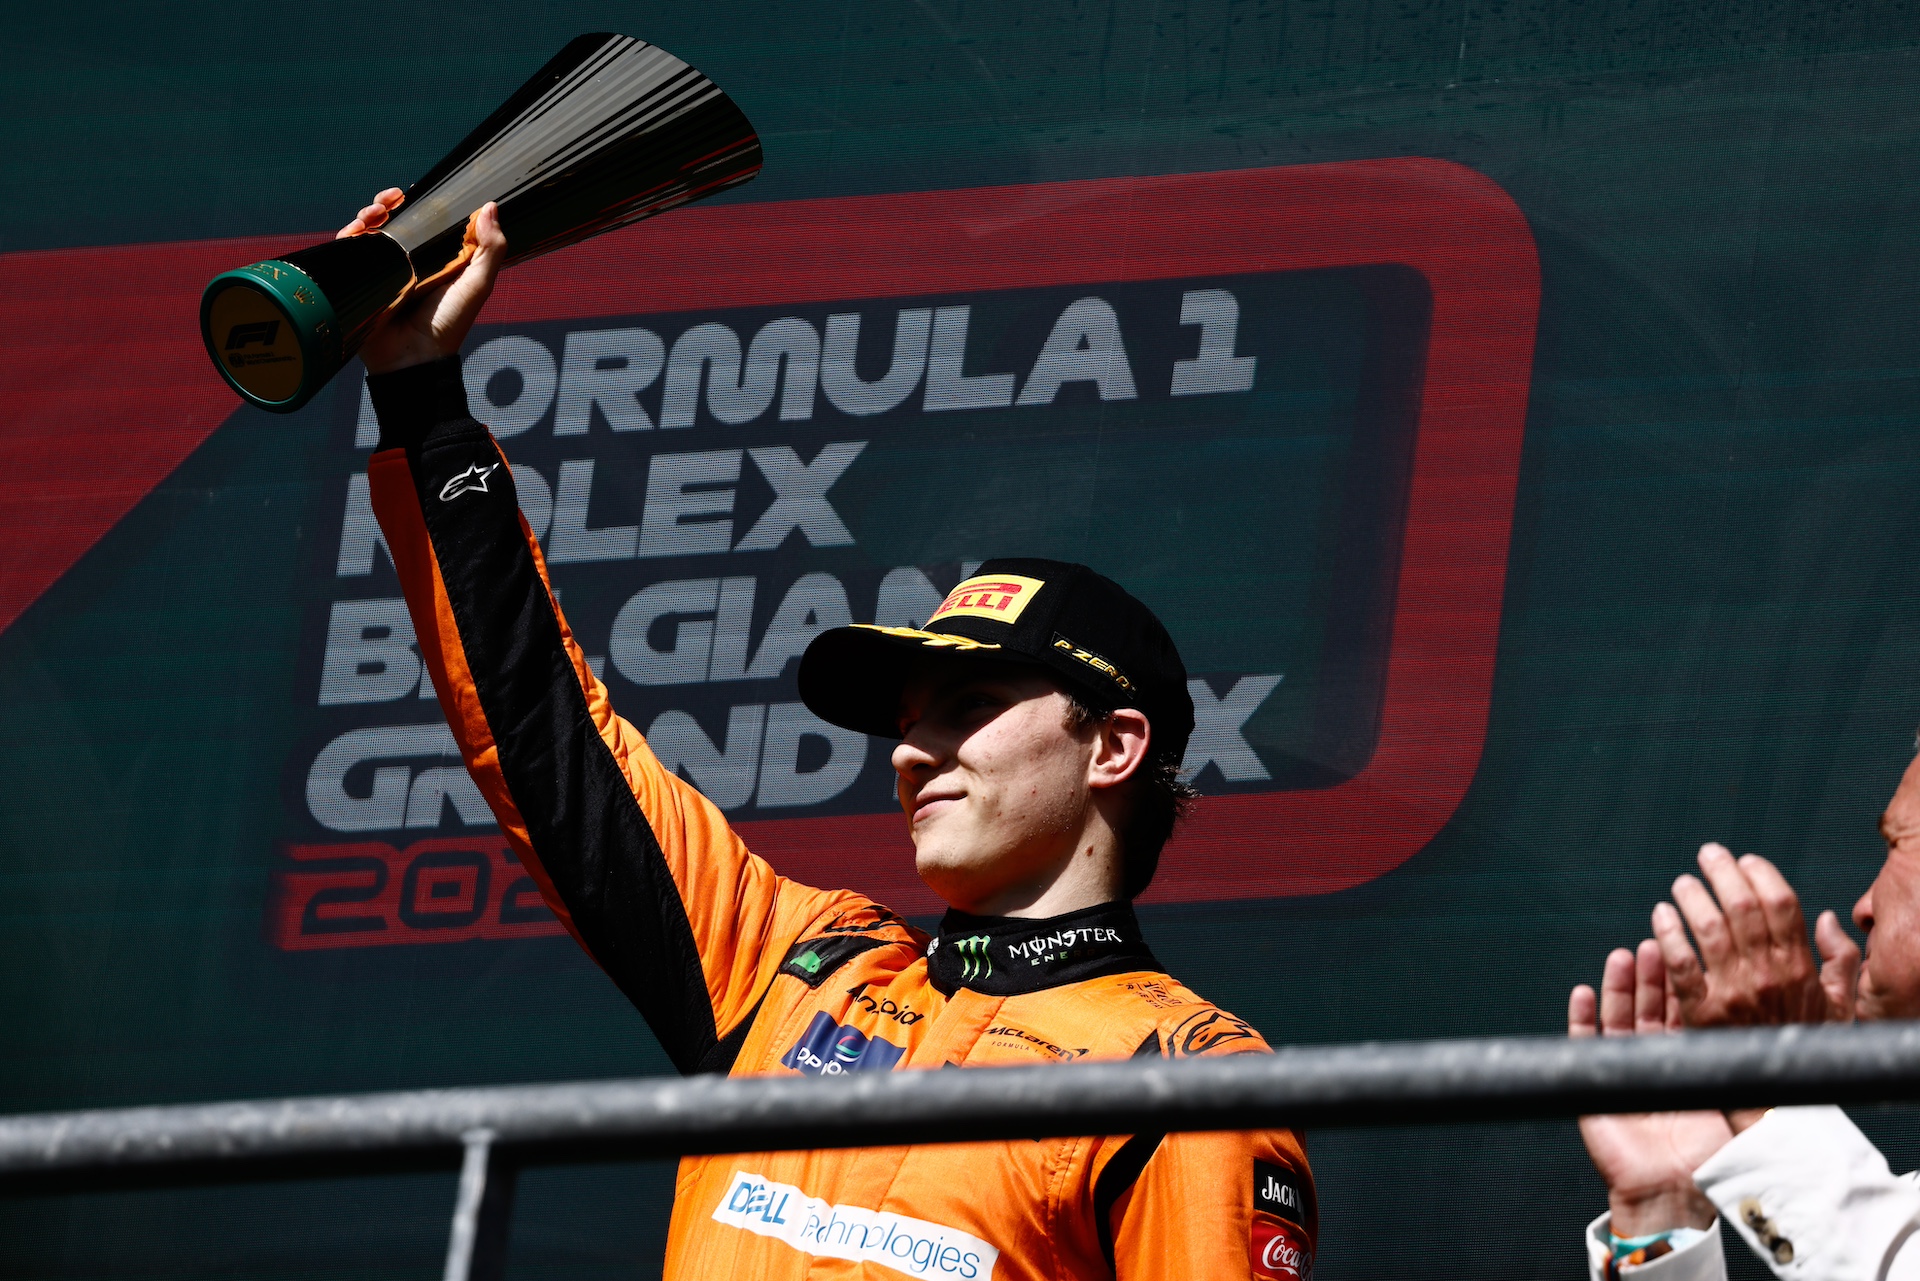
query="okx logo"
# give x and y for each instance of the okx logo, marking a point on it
(975, 961)
(829, 1049)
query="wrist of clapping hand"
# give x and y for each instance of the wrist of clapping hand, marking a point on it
(1641, 1211)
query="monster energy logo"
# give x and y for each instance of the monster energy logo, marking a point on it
(975, 961)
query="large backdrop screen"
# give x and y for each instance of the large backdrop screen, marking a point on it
(1511, 412)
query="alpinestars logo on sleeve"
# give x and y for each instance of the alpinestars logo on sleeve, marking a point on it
(471, 481)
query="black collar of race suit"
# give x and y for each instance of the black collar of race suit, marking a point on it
(1009, 955)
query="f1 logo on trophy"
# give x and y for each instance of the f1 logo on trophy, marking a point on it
(610, 131)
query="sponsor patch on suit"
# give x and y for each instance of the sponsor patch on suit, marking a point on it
(828, 1049)
(1278, 1245)
(912, 1246)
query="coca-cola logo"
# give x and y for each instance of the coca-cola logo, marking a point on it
(1280, 1250)
(1281, 1254)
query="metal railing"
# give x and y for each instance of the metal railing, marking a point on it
(493, 1133)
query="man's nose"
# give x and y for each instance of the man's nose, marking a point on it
(911, 757)
(1863, 910)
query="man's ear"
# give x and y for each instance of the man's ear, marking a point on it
(1119, 748)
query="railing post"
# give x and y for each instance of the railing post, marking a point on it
(482, 1212)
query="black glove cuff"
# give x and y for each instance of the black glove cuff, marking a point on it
(411, 402)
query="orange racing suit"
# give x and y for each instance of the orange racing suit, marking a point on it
(739, 970)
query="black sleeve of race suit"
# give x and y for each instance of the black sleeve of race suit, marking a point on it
(517, 694)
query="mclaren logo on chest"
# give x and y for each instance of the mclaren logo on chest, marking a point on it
(1038, 1042)
(471, 481)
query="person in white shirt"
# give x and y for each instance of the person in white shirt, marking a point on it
(1802, 1186)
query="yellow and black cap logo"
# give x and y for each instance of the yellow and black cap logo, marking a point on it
(1086, 630)
(998, 598)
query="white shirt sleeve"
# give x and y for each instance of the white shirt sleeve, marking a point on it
(1699, 1260)
(1814, 1198)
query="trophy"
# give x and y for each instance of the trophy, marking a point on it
(611, 131)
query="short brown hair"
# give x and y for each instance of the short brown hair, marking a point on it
(1160, 800)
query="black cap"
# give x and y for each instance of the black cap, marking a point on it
(1086, 630)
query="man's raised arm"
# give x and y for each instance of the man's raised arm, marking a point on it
(641, 868)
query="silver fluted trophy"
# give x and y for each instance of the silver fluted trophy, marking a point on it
(610, 131)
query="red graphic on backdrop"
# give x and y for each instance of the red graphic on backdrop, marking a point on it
(370, 894)
(79, 449)
(108, 390)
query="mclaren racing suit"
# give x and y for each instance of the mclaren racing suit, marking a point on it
(740, 970)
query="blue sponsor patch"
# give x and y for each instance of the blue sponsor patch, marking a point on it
(829, 1049)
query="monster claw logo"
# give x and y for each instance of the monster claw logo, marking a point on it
(976, 961)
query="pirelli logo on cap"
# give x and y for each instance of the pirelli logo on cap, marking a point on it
(1000, 597)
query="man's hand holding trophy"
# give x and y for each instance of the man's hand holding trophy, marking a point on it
(610, 131)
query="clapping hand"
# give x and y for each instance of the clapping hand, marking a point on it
(1754, 966)
(1647, 1158)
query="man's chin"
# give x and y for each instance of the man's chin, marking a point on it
(954, 874)
(1872, 1003)
(936, 865)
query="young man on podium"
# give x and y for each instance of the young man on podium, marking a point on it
(1040, 715)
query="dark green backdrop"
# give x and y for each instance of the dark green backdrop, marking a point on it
(1709, 630)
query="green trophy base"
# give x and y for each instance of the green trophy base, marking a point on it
(278, 330)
